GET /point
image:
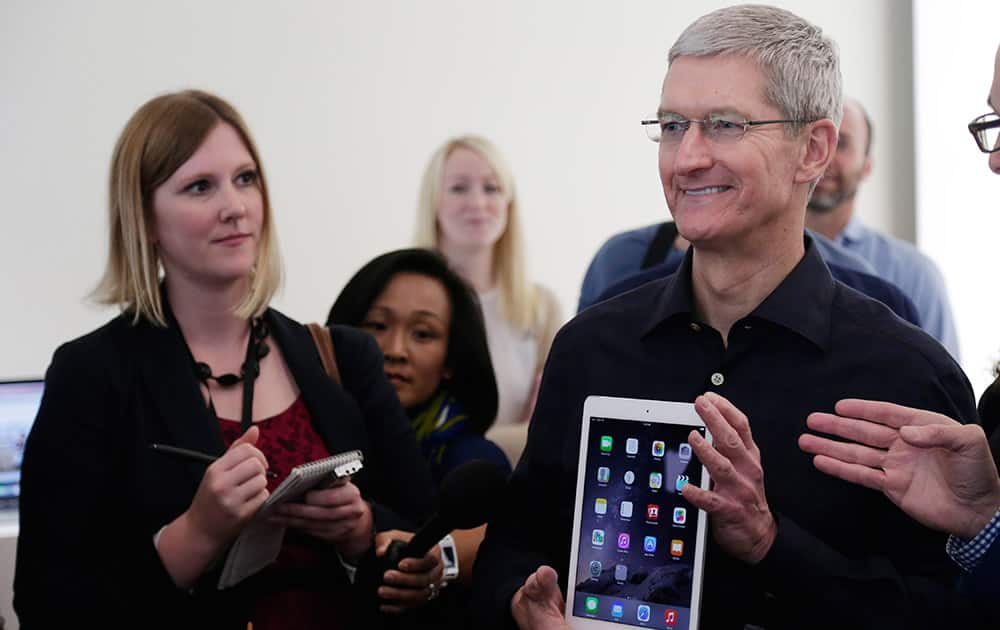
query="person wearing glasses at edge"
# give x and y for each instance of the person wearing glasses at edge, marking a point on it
(428, 324)
(940, 472)
(753, 330)
(468, 210)
(112, 533)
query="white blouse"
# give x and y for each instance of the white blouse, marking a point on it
(514, 354)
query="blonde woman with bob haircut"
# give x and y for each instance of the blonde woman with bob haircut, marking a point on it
(468, 210)
(113, 532)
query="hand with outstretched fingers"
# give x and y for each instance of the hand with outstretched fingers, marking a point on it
(741, 521)
(938, 471)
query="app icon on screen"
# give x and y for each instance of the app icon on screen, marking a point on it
(677, 547)
(655, 480)
(603, 474)
(597, 537)
(659, 448)
(684, 451)
(621, 572)
(681, 481)
(670, 617)
(642, 613)
(631, 446)
(623, 540)
(625, 509)
(649, 544)
(652, 512)
(601, 506)
(606, 442)
(595, 568)
(617, 610)
(629, 477)
(680, 516)
(590, 604)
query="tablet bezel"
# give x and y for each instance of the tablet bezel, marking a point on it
(636, 410)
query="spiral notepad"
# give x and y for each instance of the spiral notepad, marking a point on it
(259, 542)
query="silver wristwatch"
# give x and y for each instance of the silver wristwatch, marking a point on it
(449, 554)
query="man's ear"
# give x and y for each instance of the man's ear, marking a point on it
(818, 152)
(866, 169)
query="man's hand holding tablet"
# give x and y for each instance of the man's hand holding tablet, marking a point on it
(741, 522)
(539, 604)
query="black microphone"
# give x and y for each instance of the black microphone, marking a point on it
(467, 499)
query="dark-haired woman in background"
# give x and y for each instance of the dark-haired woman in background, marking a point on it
(429, 326)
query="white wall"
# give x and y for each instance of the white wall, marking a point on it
(958, 217)
(347, 100)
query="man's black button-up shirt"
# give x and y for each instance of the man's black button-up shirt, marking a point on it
(844, 555)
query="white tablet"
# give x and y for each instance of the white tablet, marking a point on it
(638, 546)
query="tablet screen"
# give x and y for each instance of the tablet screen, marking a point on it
(637, 533)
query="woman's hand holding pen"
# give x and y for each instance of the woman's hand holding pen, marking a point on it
(338, 515)
(231, 491)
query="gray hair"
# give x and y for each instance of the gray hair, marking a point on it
(800, 64)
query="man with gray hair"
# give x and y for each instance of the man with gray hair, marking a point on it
(754, 331)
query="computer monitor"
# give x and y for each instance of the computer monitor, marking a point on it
(19, 402)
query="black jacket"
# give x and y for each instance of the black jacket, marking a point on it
(93, 494)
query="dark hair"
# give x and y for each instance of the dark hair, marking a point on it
(472, 380)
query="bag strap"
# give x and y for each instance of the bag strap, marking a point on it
(324, 343)
(660, 246)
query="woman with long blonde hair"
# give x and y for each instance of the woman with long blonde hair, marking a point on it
(468, 210)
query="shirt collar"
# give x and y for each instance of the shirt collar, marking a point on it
(675, 301)
(801, 303)
(854, 231)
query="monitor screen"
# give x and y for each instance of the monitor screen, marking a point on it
(19, 401)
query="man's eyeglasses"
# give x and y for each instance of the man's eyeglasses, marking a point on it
(715, 129)
(986, 131)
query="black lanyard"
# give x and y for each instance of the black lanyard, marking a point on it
(257, 349)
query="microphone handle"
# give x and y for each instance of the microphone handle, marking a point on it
(428, 536)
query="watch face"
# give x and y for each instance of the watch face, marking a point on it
(449, 558)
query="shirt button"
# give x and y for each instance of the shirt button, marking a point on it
(695, 327)
(718, 379)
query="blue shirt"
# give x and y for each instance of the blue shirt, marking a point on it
(621, 256)
(913, 272)
(844, 555)
(970, 553)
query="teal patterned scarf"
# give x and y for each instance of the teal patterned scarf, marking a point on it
(436, 422)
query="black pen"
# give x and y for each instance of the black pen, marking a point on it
(193, 455)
